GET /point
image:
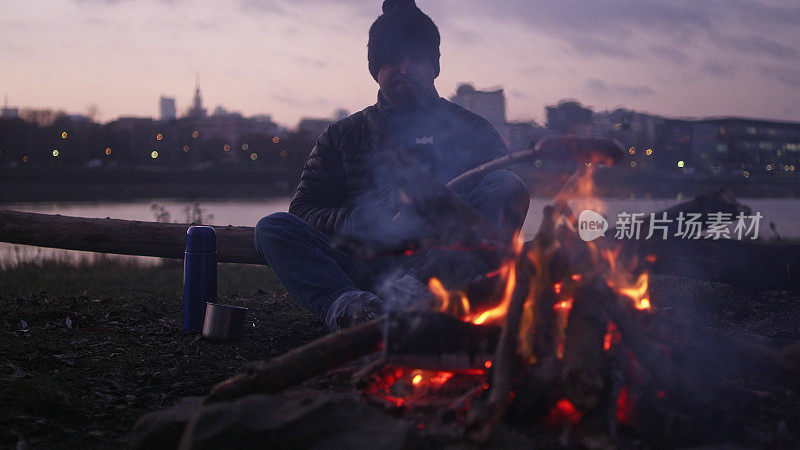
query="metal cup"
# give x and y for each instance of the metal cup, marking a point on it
(223, 322)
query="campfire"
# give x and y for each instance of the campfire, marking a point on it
(568, 341)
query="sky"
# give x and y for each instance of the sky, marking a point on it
(296, 58)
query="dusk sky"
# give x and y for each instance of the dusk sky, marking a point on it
(293, 58)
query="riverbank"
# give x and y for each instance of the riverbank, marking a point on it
(235, 183)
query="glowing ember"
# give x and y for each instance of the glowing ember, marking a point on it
(625, 406)
(611, 337)
(563, 413)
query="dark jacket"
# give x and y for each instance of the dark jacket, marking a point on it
(342, 179)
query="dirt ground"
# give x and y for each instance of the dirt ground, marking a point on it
(85, 351)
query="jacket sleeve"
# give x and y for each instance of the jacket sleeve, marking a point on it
(489, 144)
(320, 198)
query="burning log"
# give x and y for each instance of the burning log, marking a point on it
(438, 341)
(585, 370)
(485, 417)
(658, 364)
(299, 365)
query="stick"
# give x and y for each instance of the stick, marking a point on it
(484, 418)
(300, 364)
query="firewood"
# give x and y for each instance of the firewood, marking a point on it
(298, 365)
(484, 417)
(437, 341)
(585, 371)
(681, 389)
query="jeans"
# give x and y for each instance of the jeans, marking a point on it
(316, 274)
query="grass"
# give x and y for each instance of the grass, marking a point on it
(86, 349)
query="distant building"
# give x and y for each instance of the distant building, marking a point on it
(197, 111)
(491, 105)
(523, 135)
(747, 144)
(637, 132)
(233, 128)
(312, 126)
(9, 113)
(167, 108)
(340, 114)
(569, 117)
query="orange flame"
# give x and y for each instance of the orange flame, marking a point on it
(638, 292)
(438, 290)
(499, 311)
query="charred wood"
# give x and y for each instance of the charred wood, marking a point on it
(486, 415)
(585, 372)
(426, 340)
(303, 363)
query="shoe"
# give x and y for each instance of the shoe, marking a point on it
(353, 308)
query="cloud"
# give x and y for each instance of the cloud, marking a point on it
(600, 88)
(292, 100)
(309, 61)
(787, 75)
(757, 45)
(671, 53)
(718, 69)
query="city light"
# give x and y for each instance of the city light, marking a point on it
(55, 153)
(226, 148)
(276, 139)
(769, 166)
(159, 136)
(195, 134)
(633, 164)
(25, 158)
(154, 154)
(746, 174)
(631, 150)
(185, 148)
(63, 135)
(244, 147)
(648, 152)
(254, 156)
(108, 150)
(680, 164)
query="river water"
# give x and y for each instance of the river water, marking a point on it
(783, 212)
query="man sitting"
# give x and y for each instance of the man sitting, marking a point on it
(346, 186)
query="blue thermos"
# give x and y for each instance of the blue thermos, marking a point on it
(199, 276)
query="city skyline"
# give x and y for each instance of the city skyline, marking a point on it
(308, 57)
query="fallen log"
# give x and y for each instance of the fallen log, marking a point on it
(292, 368)
(122, 237)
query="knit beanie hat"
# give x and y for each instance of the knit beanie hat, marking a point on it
(402, 29)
